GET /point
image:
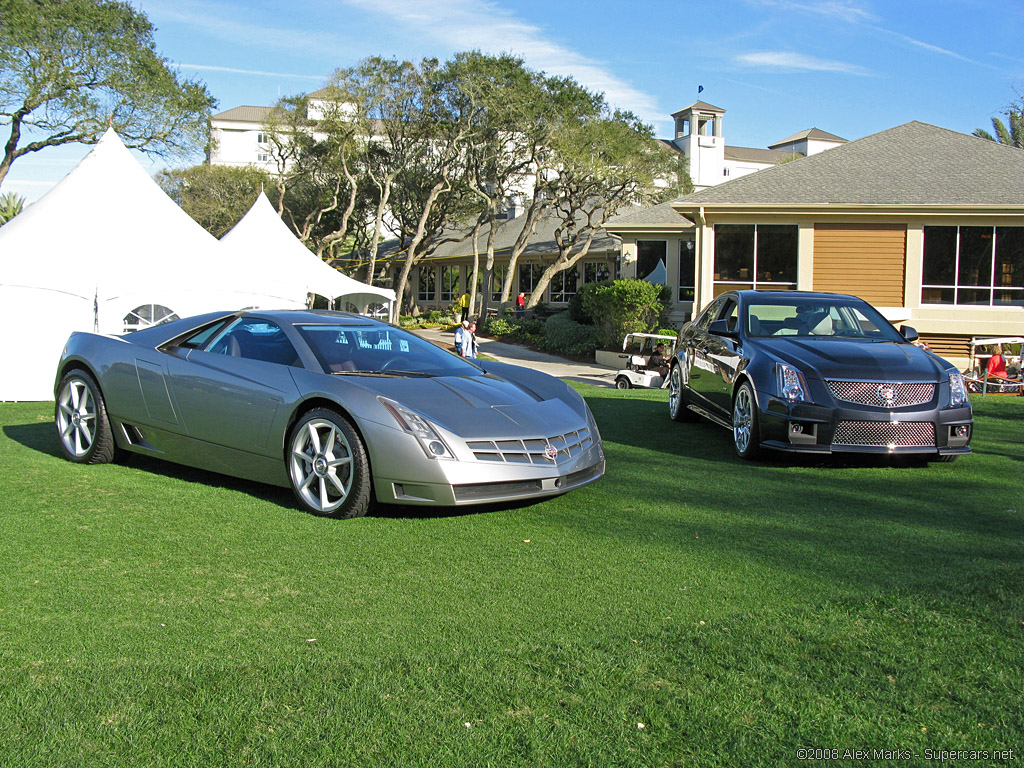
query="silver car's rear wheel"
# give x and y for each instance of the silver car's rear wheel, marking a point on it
(327, 465)
(80, 416)
(745, 432)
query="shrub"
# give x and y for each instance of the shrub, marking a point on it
(622, 306)
(564, 336)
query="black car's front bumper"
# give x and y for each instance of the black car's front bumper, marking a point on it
(811, 428)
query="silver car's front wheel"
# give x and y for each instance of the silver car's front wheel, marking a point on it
(327, 465)
(745, 432)
(80, 416)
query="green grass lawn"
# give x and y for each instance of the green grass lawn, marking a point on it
(689, 609)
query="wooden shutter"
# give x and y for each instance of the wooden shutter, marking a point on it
(866, 260)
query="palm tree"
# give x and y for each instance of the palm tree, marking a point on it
(1012, 136)
(10, 206)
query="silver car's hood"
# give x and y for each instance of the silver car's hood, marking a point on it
(484, 406)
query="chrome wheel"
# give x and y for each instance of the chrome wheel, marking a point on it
(677, 409)
(744, 423)
(80, 416)
(327, 466)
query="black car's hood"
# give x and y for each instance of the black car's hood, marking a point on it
(834, 358)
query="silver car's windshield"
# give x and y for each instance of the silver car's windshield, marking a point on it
(371, 350)
(819, 318)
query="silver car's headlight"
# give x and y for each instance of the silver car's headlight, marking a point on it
(430, 441)
(791, 384)
(957, 390)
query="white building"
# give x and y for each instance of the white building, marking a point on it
(700, 136)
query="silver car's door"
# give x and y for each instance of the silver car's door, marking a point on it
(229, 393)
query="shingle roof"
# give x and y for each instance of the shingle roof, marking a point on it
(756, 155)
(542, 243)
(814, 134)
(702, 106)
(244, 114)
(656, 216)
(911, 164)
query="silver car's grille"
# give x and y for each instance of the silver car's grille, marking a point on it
(896, 434)
(544, 451)
(882, 394)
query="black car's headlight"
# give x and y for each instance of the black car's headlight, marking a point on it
(430, 441)
(792, 386)
(957, 390)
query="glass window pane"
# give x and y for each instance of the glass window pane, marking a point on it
(974, 296)
(939, 256)
(1009, 257)
(426, 284)
(937, 295)
(498, 280)
(650, 261)
(596, 271)
(687, 268)
(975, 257)
(776, 252)
(734, 251)
(1007, 298)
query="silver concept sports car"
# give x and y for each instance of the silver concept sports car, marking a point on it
(343, 409)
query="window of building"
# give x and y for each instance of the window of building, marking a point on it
(979, 266)
(706, 125)
(148, 315)
(427, 289)
(651, 264)
(755, 256)
(596, 271)
(529, 276)
(261, 138)
(687, 269)
(262, 157)
(451, 278)
(498, 280)
(563, 285)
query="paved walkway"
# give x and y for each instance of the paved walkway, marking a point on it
(587, 373)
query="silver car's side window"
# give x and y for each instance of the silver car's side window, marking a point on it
(255, 339)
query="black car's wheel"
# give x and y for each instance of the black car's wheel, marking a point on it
(677, 409)
(80, 416)
(745, 432)
(622, 383)
(327, 465)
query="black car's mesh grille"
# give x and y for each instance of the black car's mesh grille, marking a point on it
(897, 395)
(895, 434)
(533, 451)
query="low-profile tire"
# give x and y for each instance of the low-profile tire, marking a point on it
(327, 465)
(622, 383)
(80, 415)
(746, 433)
(677, 409)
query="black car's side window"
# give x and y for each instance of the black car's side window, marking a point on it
(710, 313)
(730, 312)
(256, 339)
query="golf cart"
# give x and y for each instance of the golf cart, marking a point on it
(636, 374)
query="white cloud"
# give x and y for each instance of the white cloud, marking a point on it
(788, 61)
(481, 24)
(214, 68)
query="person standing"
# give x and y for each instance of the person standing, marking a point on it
(520, 304)
(464, 306)
(469, 341)
(461, 335)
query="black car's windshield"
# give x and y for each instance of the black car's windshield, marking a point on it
(372, 350)
(820, 317)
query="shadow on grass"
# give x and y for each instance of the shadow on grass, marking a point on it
(42, 438)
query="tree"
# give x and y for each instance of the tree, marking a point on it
(10, 206)
(1010, 133)
(216, 196)
(602, 163)
(71, 68)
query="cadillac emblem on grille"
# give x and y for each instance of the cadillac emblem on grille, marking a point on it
(886, 394)
(551, 452)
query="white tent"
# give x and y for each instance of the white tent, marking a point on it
(105, 250)
(263, 243)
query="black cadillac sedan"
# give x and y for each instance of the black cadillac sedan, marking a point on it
(817, 373)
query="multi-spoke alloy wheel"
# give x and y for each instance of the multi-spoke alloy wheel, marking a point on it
(677, 409)
(81, 419)
(327, 465)
(744, 423)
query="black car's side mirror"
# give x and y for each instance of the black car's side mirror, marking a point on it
(910, 334)
(721, 328)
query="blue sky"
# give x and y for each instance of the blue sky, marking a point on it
(849, 67)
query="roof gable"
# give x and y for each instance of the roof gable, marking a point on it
(911, 164)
